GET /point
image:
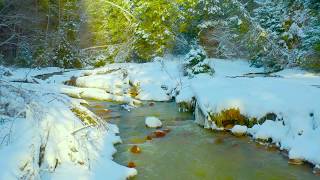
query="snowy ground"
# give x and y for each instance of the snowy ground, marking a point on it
(293, 95)
(41, 138)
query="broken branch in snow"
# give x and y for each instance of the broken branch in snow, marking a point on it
(82, 128)
(260, 74)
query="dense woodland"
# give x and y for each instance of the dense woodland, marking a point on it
(274, 34)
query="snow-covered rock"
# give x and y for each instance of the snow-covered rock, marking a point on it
(239, 130)
(153, 122)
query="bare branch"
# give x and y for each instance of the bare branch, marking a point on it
(8, 40)
(126, 12)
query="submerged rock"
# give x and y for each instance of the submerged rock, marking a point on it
(135, 149)
(219, 140)
(167, 130)
(228, 126)
(295, 161)
(149, 138)
(98, 106)
(131, 164)
(159, 133)
(272, 148)
(137, 140)
(103, 111)
(153, 122)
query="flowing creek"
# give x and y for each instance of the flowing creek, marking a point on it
(190, 152)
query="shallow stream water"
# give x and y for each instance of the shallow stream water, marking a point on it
(190, 152)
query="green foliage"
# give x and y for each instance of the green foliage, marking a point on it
(316, 47)
(287, 24)
(41, 55)
(312, 62)
(244, 26)
(290, 40)
(149, 28)
(159, 24)
(195, 63)
(111, 25)
(154, 32)
(44, 5)
(105, 21)
(66, 56)
(42, 28)
(272, 34)
(1, 4)
(24, 55)
(100, 63)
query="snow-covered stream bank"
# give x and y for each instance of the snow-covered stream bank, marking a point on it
(284, 107)
(47, 135)
(47, 124)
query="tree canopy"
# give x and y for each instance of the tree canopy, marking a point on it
(73, 33)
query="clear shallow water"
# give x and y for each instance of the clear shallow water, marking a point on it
(190, 152)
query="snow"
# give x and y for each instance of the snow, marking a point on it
(294, 96)
(155, 82)
(153, 122)
(186, 96)
(235, 67)
(98, 94)
(111, 82)
(237, 85)
(36, 110)
(44, 139)
(239, 130)
(22, 74)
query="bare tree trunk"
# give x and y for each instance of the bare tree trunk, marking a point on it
(48, 20)
(59, 9)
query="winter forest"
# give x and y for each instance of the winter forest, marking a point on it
(159, 89)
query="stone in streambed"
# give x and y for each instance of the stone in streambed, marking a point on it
(103, 111)
(153, 122)
(131, 164)
(218, 140)
(295, 161)
(228, 126)
(159, 133)
(149, 138)
(135, 149)
(137, 140)
(98, 106)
